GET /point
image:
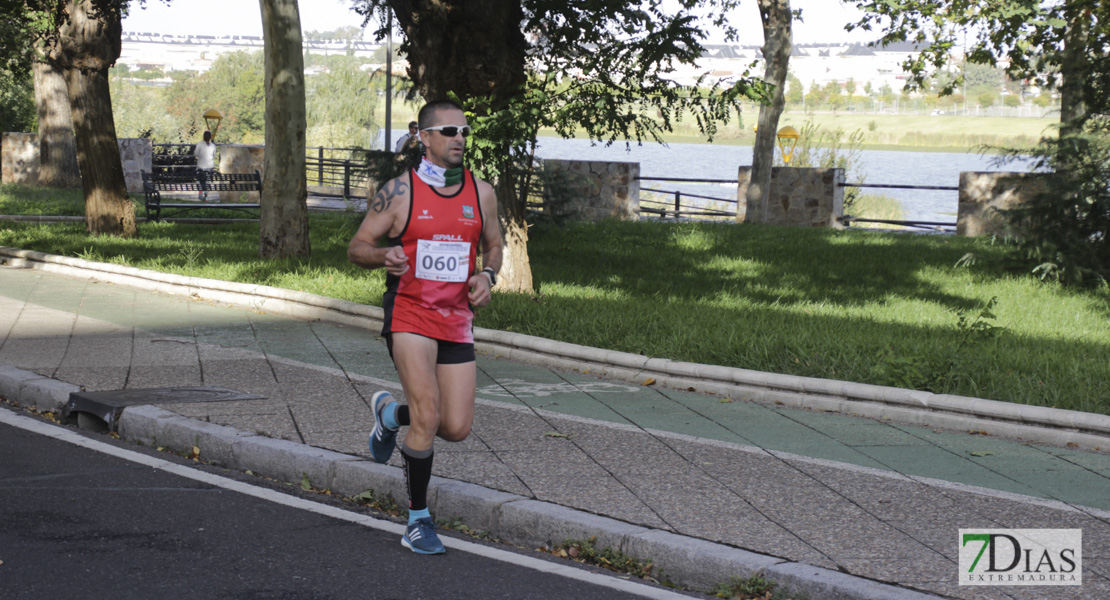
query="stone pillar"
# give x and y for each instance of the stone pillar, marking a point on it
(241, 158)
(805, 197)
(136, 155)
(591, 190)
(982, 194)
(19, 158)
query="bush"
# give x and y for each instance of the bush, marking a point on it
(835, 149)
(1062, 233)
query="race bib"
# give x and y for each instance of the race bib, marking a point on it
(443, 261)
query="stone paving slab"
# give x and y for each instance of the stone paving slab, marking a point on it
(870, 498)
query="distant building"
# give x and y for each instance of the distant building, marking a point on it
(811, 63)
(196, 52)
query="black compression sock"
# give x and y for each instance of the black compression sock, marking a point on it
(418, 473)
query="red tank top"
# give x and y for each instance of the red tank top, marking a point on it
(440, 239)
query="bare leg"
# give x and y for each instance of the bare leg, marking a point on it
(415, 358)
(456, 400)
(440, 397)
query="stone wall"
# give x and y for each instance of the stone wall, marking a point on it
(982, 194)
(242, 158)
(21, 159)
(591, 190)
(804, 197)
(136, 155)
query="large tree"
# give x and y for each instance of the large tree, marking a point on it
(604, 67)
(88, 43)
(778, 42)
(81, 39)
(283, 229)
(57, 144)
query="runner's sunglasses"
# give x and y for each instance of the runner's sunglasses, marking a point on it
(450, 130)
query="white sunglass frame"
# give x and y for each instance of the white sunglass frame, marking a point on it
(465, 130)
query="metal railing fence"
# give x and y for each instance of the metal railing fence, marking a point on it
(678, 209)
(946, 226)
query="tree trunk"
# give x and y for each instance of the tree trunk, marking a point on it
(777, 44)
(57, 145)
(516, 268)
(89, 43)
(283, 229)
(475, 50)
(1074, 71)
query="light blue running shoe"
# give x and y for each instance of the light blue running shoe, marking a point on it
(383, 439)
(421, 538)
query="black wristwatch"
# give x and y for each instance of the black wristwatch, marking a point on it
(492, 276)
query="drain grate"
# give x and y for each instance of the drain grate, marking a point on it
(101, 410)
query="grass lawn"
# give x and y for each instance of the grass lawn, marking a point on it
(889, 309)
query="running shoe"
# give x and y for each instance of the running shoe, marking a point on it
(421, 537)
(382, 440)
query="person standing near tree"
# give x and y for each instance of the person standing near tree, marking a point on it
(433, 217)
(409, 140)
(205, 152)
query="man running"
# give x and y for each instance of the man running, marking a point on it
(433, 217)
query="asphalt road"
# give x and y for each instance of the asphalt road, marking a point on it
(76, 522)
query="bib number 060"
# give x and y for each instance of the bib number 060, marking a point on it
(442, 261)
(439, 263)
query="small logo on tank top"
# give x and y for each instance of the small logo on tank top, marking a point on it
(447, 237)
(468, 212)
(424, 216)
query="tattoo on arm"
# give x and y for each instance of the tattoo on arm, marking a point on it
(384, 198)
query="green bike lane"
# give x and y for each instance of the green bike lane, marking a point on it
(961, 457)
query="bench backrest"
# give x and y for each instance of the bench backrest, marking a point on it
(170, 182)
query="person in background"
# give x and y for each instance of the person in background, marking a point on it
(205, 152)
(409, 140)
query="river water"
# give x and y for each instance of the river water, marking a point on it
(713, 161)
(718, 161)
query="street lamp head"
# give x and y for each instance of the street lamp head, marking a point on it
(787, 135)
(212, 118)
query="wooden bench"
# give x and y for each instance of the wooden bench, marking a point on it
(197, 183)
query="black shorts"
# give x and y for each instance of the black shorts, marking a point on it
(449, 353)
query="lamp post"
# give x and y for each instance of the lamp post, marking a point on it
(785, 135)
(212, 118)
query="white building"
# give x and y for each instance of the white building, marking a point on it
(196, 52)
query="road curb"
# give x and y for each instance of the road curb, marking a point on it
(1020, 421)
(529, 523)
(516, 519)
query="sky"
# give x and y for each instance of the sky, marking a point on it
(823, 20)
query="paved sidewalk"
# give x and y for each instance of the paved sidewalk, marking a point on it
(878, 500)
